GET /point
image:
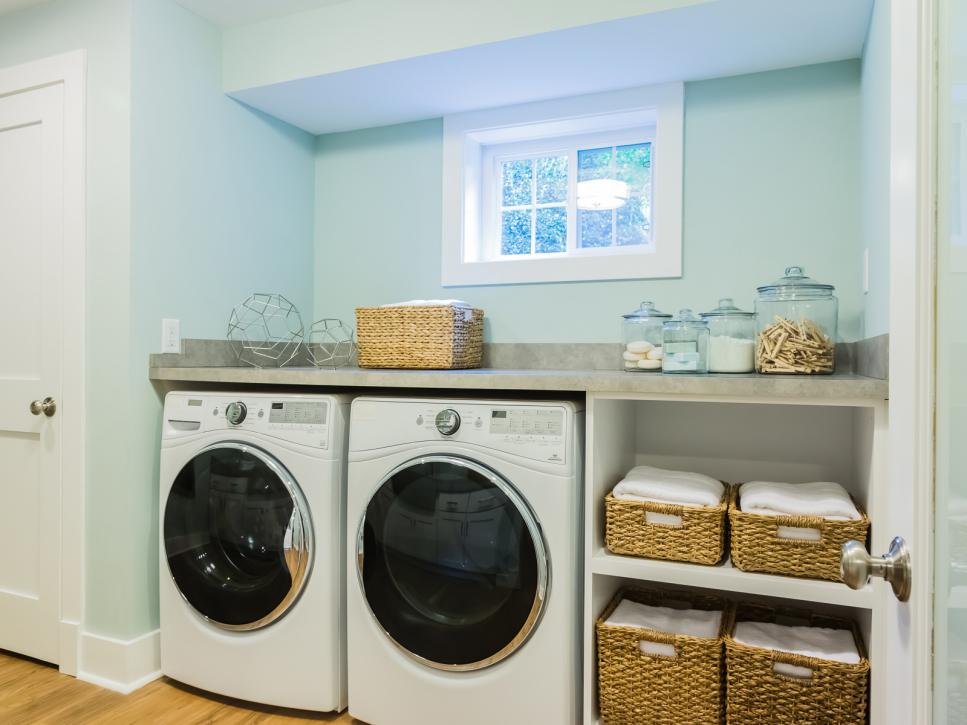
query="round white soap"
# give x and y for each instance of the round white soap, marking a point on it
(633, 356)
(631, 364)
(655, 354)
(639, 346)
(647, 364)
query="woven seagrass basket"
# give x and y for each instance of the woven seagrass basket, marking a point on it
(697, 536)
(636, 688)
(835, 692)
(757, 546)
(441, 337)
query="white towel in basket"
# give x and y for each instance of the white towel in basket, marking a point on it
(825, 499)
(429, 303)
(647, 483)
(836, 645)
(692, 622)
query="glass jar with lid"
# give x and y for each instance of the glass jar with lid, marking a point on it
(641, 333)
(731, 338)
(685, 344)
(796, 321)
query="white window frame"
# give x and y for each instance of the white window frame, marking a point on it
(474, 141)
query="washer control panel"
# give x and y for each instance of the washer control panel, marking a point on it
(537, 431)
(303, 420)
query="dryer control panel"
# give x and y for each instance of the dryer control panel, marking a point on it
(537, 431)
(299, 419)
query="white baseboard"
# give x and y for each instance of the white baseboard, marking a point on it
(120, 665)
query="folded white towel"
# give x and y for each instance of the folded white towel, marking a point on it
(647, 483)
(825, 499)
(691, 622)
(429, 303)
(836, 645)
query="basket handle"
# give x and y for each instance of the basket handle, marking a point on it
(651, 636)
(792, 667)
(665, 519)
(786, 526)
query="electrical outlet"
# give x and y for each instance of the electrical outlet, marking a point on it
(170, 336)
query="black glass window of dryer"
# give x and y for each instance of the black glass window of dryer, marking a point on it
(224, 529)
(450, 569)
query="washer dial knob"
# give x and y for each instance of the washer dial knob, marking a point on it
(235, 412)
(448, 421)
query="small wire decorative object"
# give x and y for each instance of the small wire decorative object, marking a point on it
(331, 344)
(266, 330)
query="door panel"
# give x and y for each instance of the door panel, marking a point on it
(31, 277)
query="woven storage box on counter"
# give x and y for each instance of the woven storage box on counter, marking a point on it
(636, 688)
(699, 538)
(756, 545)
(835, 692)
(438, 337)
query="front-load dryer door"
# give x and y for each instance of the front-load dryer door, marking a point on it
(237, 536)
(452, 563)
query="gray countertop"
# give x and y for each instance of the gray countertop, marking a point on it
(840, 386)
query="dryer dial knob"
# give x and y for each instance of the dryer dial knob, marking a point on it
(235, 412)
(448, 421)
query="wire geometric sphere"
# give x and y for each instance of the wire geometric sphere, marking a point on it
(266, 330)
(331, 344)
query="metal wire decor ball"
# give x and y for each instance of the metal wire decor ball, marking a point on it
(332, 344)
(266, 330)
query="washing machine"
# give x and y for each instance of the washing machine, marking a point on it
(252, 530)
(464, 569)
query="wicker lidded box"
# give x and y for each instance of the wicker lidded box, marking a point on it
(757, 545)
(667, 531)
(427, 337)
(636, 688)
(835, 692)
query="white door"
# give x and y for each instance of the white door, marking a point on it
(950, 624)
(31, 285)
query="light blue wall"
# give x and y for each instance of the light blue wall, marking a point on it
(771, 179)
(875, 164)
(221, 205)
(102, 28)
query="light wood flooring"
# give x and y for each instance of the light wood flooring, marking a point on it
(33, 692)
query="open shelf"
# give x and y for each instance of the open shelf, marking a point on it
(727, 578)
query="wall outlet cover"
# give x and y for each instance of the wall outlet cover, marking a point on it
(170, 336)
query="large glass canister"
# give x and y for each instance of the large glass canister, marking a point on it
(685, 344)
(641, 333)
(796, 320)
(731, 338)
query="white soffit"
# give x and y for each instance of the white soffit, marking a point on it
(228, 13)
(722, 38)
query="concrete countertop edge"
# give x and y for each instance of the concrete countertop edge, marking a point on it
(840, 386)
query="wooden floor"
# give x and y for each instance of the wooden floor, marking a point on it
(33, 692)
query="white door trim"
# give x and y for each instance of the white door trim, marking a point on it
(70, 70)
(912, 322)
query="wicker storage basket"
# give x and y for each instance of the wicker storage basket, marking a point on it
(636, 688)
(835, 694)
(441, 337)
(756, 545)
(699, 538)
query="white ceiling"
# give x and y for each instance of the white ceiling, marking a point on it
(8, 6)
(728, 37)
(226, 13)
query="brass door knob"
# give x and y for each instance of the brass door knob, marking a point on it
(857, 566)
(47, 406)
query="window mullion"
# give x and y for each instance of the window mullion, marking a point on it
(533, 206)
(572, 186)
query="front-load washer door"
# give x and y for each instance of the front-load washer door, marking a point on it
(452, 563)
(237, 536)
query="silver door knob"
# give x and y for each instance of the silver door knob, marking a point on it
(857, 566)
(47, 406)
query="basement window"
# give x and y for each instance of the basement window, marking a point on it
(574, 189)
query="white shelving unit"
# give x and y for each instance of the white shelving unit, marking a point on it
(735, 439)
